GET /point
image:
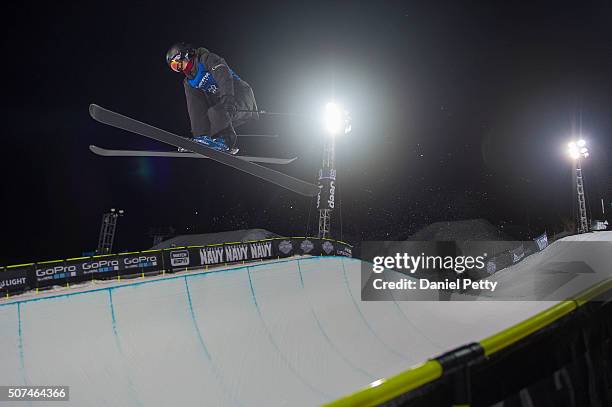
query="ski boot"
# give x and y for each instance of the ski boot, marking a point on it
(216, 144)
(221, 145)
(227, 140)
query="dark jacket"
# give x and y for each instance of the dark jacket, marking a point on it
(210, 80)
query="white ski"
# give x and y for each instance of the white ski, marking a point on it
(175, 154)
(126, 123)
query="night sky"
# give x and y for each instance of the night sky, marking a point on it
(460, 110)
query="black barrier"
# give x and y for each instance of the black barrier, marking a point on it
(140, 262)
(114, 265)
(15, 278)
(91, 268)
(50, 273)
(513, 256)
(182, 258)
(42, 275)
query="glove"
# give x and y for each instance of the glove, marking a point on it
(230, 105)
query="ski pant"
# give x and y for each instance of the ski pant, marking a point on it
(208, 116)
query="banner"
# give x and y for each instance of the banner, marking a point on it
(197, 257)
(14, 279)
(542, 241)
(517, 254)
(96, 267)
(63, 272)
(138, 263)
(599, 225)
(326, 199)
(54, 273)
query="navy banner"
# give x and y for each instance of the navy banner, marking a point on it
(228, 253)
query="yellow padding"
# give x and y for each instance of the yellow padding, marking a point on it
(19, 265)
(386, 389)
(517, 332)
(593, 292)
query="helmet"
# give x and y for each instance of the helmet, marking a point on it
(179, 52)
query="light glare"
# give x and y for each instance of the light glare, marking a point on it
(333, 118)
(577, 149)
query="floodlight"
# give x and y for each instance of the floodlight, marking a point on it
(577, 149)
(334, 118)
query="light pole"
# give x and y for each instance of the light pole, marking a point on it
(578, 150)
(337, 121)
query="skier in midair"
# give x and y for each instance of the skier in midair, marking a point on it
(216, 95)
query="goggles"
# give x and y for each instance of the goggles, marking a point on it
(177, 65)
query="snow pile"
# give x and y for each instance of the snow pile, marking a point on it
(472, 229)
(243, 235)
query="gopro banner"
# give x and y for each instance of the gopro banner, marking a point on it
(54, 273)
(138, 263)
(95, 267)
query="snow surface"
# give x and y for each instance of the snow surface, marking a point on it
(289, 332)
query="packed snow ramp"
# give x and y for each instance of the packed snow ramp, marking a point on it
(289, 332)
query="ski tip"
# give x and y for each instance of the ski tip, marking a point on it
(92, 109)
(95, 149)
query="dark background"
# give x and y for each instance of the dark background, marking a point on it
(460, 110)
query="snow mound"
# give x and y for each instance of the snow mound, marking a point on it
(243, 235)
(471, 229)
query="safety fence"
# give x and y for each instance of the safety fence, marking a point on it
(519, 252)
(41, 275)
(559, 357)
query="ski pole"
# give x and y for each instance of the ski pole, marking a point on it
(266, 112)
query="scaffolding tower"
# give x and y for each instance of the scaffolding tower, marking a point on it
(338, 121)
(583, 223)
(327, 182)
(107, 231)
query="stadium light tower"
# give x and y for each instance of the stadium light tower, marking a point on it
(578, 150)
(337, 122)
